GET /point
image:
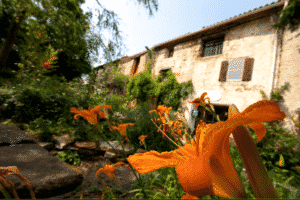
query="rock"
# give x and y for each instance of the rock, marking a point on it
(48, 175)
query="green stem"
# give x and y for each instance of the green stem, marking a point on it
(138, 178)
(5, 193)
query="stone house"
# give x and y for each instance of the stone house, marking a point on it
(232, 61)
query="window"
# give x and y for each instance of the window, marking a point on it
(171, 52)
(135, 66)
(213, 47)
(208, 118)
(239, 69)
(163, 74)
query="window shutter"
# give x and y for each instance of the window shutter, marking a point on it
(240, 69)
(247, 75)
(223, 71)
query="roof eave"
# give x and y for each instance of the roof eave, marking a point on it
(226, 24)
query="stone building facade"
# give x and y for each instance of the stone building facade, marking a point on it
(232, 61)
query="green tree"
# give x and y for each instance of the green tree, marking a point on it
(290, 16)
(6, 17)
(73, 60)
(12, 32)
(27, 8)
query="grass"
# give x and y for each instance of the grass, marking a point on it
(163, 183)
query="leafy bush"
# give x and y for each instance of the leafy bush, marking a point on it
(69, 157)
(171, 92)
(186, 89)
(141, 86)
(29, 107)
(7, 103)
(278, 141)
(43, 125)
(80, 129)
(270, 157)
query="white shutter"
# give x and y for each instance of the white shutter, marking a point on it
(238, 69)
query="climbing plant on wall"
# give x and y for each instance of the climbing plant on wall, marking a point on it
(169, 92)
(142, 85)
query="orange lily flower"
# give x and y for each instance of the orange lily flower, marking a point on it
(13, 170)
(110, 170)
(160, 110)
(204, 167)
(200, 100)
(122, 129)
(91, 114)
(142, 138)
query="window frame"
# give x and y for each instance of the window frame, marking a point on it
(163, 73)
(136, 65)
(216, 46)
(170, 52)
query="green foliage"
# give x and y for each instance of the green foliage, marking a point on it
(144, 126)
(110, 77)
(43, 125)
(141, 86)
(278, 141)
(81, 129)
(116, 101)
(162, 178)
(186, 89)
(270, 157)
(69, 157)
(171, 92)
(28, 103)
(7, 103)
(30, 106)
(6, 18)
(66, 31)
(290, 16)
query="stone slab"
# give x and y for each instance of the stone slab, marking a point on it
(47, 174)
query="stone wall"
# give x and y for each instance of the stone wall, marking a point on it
(289, 71)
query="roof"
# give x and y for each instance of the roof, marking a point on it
(251, 15)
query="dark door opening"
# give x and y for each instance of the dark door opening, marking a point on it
(208, 118)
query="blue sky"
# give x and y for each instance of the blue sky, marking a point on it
(173, 18)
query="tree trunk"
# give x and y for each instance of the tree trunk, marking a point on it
(10, 40)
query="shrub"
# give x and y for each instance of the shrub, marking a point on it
(270, 158)
(171, 92)
(43, 125)
(69, 157)
(7, 103)
(80, 130)
(29, 106)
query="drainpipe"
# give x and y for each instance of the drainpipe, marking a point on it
(276, 57)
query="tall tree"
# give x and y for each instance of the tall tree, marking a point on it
(290, 17)
(65, 31)
(12, 35)
(106, 20)
(6, 17)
